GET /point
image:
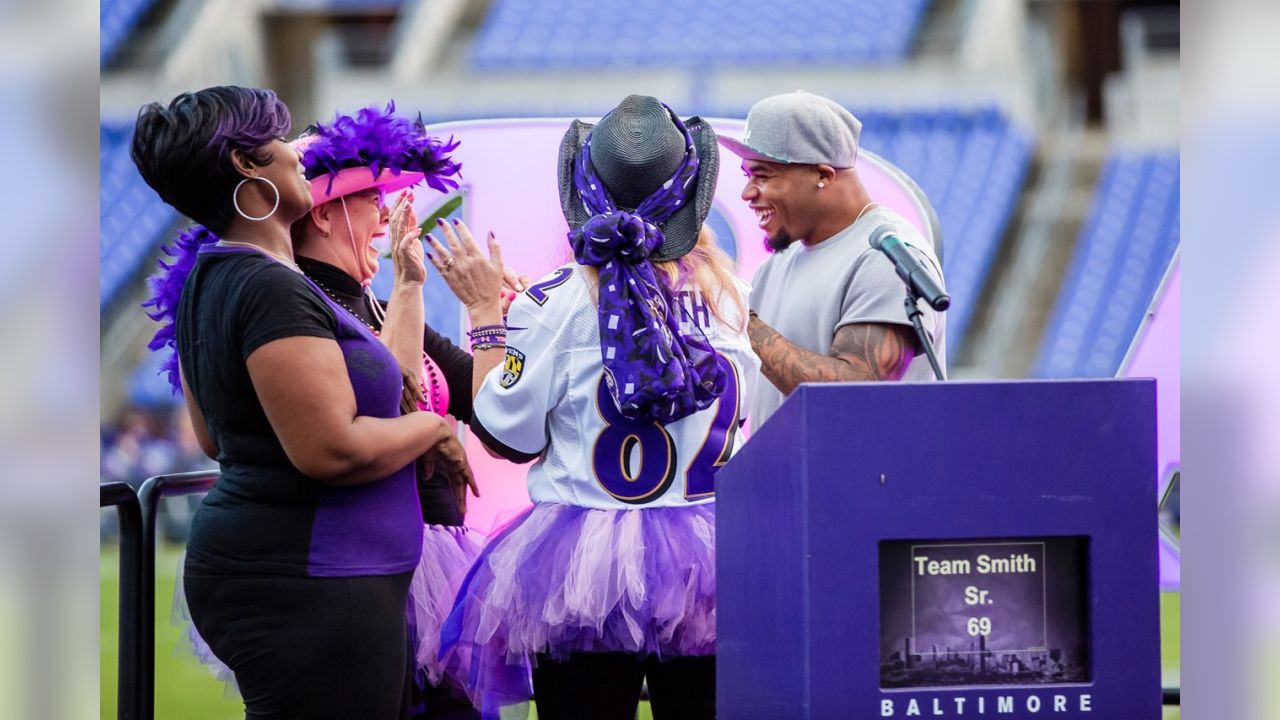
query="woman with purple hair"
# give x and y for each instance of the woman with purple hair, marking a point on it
(623, 380)
(300, 558)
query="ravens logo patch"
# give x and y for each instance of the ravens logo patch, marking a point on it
(512, 367)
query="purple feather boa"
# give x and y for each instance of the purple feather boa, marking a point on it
(166, 289)
(381, 140)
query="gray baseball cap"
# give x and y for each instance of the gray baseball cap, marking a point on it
(800, 128)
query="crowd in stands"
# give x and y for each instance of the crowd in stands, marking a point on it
(148, 441)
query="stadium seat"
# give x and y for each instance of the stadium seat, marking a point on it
(1121, 255)
(529, 34)
(116, 19)
(971, 165)
(133, 219)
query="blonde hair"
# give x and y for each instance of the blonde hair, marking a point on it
(709, 269)
(705, 267)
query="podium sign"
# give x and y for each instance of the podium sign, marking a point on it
(1000, 612)
(942, 550)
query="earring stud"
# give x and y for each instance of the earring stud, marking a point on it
(821, 185)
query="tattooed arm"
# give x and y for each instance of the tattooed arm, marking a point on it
(860, 351)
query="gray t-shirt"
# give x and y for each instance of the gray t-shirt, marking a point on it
(807, 293)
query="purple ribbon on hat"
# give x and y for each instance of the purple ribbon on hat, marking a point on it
(654, 371)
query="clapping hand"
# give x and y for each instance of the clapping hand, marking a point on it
(473, 278)
(407, 253)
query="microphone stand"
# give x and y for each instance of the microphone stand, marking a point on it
(914, 313)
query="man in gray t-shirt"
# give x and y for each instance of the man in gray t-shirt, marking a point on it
(826, 306)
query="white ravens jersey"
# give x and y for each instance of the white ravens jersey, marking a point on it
(548, 400)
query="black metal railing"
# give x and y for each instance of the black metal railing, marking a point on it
(153, 491)
(129, 653)
(138, 513)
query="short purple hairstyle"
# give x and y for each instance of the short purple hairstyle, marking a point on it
(183, 151)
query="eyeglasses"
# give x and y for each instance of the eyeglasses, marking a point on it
(378, 197)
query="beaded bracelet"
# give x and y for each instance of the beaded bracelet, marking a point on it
(482, 330)
(488, 337)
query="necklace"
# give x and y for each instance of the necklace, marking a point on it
(865, 208)
(435, 386)
(282, 260)
(334, 297)
(432, 386)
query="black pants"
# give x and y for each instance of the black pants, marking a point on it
(312, 648)
(606, 686)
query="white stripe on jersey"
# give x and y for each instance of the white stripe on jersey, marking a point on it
(549, 399)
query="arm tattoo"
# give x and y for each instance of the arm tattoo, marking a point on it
(861, 351)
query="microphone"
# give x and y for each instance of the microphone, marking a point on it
(911, 270)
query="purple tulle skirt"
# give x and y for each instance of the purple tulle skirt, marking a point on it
(447, 553)
(563, 579)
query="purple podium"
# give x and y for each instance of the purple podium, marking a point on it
(942, 550)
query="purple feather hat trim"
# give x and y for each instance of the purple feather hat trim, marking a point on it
(380, 140)
(166, 289)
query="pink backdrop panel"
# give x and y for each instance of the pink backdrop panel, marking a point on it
(510, 184)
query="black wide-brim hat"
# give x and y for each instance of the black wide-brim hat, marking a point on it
(634, 150)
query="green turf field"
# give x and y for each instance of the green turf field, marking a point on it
(1170, 645)
(184, 689)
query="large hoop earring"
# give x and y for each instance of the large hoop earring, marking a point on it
(236, 203)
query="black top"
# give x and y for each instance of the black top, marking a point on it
(439, 505)
(263, 515)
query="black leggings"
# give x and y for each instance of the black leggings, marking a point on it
(606, 686)
(312, 648)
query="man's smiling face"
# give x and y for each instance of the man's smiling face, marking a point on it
(781, 196)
